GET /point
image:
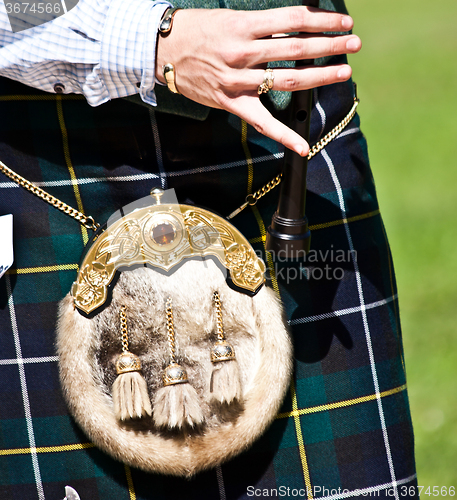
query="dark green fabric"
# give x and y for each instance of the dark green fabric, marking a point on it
(351, 429)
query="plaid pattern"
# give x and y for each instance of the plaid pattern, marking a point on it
(112, 56)
(344, 430)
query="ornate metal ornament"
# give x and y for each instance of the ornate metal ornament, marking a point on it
(162, 236)
(167, 366)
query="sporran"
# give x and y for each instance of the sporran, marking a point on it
(173, 354)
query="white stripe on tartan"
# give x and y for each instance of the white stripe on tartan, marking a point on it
(223, 166)
(366, 491)
(349, 131)
(364, 317)
(151, 176)
(25, 395)
(83, 181)
(220, 483)
(297, 321)
(158, 148)
(321, 111)
(27, 361)
(342, 312)
(142, 177)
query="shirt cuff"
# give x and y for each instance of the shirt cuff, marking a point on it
(128, 48)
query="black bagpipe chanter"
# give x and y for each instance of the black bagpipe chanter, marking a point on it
(288, 235)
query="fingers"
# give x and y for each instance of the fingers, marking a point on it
(292, 79)
(291, 19)
(253, 112)
(302, 47)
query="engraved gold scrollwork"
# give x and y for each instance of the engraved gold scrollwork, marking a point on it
(219, 233)
(124, 243)
(162, 236)
(246, 269)
(93, 278)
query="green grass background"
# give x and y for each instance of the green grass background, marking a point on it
(407, 82)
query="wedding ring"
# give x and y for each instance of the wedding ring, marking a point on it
(169, 75)
(268, 81)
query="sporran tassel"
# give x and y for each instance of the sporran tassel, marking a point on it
(176, 404)
(225, 384)
(129, 391)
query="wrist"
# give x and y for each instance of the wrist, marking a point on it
(163, 44)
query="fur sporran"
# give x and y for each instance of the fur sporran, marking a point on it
(173, 355)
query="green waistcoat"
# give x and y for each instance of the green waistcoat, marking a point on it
(180, 105)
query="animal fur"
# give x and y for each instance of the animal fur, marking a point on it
(254, 326)
(130, 396)
(177, 405)
(225, 384)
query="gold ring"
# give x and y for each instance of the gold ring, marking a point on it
(268, 81)
(169, 75)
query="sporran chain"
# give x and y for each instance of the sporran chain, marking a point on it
(124, 331)
(171, 330)
(252, 199)
(86, 220)
(220, 327)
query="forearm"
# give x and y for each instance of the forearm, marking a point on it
(101, 49)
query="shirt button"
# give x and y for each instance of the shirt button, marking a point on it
(59, 88)
(138, 85)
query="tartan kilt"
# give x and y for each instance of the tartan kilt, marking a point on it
(344, 430)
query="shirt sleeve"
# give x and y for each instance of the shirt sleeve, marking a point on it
(103, 49)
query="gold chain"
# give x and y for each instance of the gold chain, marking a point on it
(171, 330)
(124, 331)
(220, 327)
(252, 199)
(85, 220)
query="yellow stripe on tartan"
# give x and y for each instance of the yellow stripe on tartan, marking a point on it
(45, 97)
(128, 474)
(274, 282)
(270, 263)
(44, 269)
(247, 153)
(340, 404)
(66, 152)
(259, 239)
(340, 222)
(258, 217)
(324, 225)
(301, 444)
(47, 449)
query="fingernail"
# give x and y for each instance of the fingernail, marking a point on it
(302, 151)
(352, 44)
(343, 73)
(346, 22)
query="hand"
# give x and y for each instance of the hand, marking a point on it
(220, 57)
